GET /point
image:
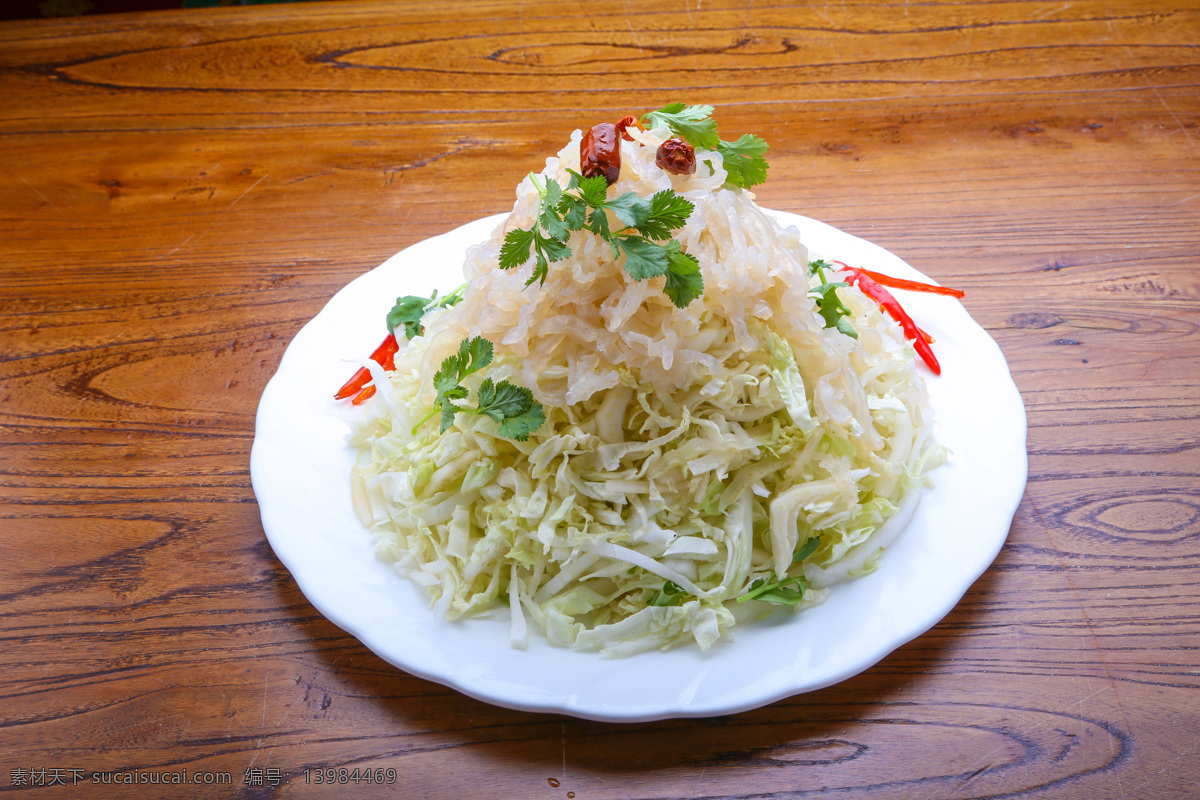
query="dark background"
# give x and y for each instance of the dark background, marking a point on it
(40, 9)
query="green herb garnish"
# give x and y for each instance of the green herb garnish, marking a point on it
(644, 240)
(409, 310)
(512, 406)
(669, 595)
(548, 247)
(693, 124)
(829, 305)
(806, 549)
(777, 592)
(745, 159)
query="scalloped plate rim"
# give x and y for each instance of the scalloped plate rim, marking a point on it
(329, 553)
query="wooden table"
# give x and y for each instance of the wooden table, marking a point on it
(181, 191)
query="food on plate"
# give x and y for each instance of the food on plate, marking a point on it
(647, 415)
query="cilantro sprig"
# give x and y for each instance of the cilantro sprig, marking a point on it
(669, 595)
(547, 238)
(829, 305)
(784, 592)
(810, 546)
(745, 158)
(644, 240)
(511, 406)
(409, 310)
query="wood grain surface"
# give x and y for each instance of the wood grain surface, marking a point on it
(181, 191)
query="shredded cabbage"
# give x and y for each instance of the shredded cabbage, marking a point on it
(687, 453)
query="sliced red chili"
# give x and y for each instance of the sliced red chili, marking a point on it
(888, 303)
(384, 356)
(912, 286)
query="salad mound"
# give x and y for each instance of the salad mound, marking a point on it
(647, 415)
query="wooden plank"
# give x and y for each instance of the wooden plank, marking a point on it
(181, 192)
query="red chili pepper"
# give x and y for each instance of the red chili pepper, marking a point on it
(912, 286)
(676, 157)
(384, 356)
(600, 152)
(883, 297)
(623, 126)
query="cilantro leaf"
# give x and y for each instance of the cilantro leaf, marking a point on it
(501, 400)
(473, 355)
(831, 308)
(693, 123)
(584, 205)
(745, 160)
(779, 592)
(574, 211)
(409, 310)
(807, 549)
(818, 264)
(446, 378)
(668, 595)
(515, 250)
(630, 209)
(548, 250)
(554, 250)
(668, 212)
(594, 190)
(643, 258)
(598, 224)
(684, 282)
(512, 406)
(548, 247)
(448, 412)
(548, 216)
(519, 426)
(454, 392)
(446, 383)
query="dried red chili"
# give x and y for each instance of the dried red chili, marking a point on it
(676, 156)
(600, 153)
(626, 122)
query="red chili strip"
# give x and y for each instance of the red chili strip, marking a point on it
(912, 286)
(884, 298)
(384, 356)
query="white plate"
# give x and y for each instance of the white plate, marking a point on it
(300, 467)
